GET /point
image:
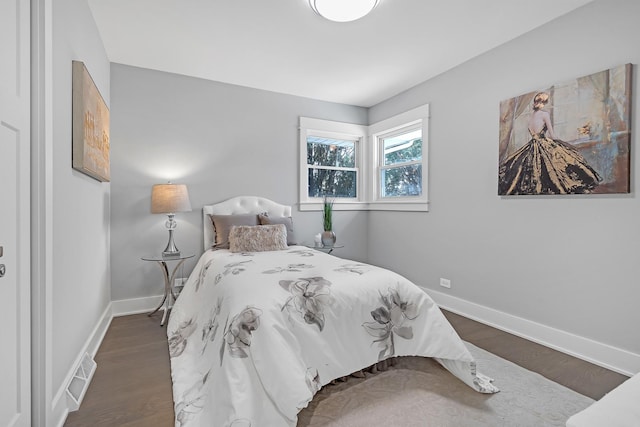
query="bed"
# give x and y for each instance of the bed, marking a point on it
(256, 333)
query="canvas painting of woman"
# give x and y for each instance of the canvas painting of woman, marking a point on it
(572, 138)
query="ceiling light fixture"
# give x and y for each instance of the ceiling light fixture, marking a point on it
(343, 10)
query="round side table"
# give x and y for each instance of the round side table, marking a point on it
(162, 261)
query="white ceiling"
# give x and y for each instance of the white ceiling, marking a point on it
(283, 46)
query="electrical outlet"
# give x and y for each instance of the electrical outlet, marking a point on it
(445, 283)
(179, 282)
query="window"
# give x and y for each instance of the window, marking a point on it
(378, 167)
(400, 168)
(331, 166)
(331, 156)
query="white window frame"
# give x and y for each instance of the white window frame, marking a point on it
(380, 166)
(401, 123)
(335, 130)
(368, 151)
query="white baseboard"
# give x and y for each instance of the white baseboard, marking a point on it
(124, 307)
(607, 356)
(60, 405)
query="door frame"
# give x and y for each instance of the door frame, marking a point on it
(41, 212)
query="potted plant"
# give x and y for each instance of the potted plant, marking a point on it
(328, 236)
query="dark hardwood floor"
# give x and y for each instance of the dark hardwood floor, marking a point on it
(580, 376)
(132, 383)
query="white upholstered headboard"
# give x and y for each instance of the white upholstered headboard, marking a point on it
(239, 205)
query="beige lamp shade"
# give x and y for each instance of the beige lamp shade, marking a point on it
(170, 198)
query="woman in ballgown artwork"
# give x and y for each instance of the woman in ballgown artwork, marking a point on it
(545, 165)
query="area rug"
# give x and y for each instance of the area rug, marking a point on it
(419, 392)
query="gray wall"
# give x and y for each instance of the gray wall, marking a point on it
(80, 283)
(566, 262)
(219, 139)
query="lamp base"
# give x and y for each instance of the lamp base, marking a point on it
(171, 249)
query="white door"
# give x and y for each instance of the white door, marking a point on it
(15, 356)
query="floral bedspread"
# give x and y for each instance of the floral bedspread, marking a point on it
(253, 336)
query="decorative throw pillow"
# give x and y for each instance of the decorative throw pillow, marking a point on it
(265, 219)
(243, 238)
(222, 225)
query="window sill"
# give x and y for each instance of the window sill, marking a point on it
(337, 206)
(405, 206)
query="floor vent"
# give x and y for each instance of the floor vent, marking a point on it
(80, 382)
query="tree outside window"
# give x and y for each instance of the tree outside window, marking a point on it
(401, 164)
(331, 167)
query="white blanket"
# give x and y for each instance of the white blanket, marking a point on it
(253, 336)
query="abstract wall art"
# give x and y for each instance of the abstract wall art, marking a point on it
(90, 154)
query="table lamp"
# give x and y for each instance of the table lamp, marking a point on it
(168, 199)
